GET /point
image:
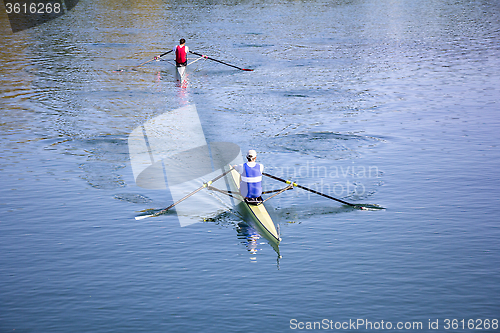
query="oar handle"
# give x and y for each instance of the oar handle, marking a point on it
(206, 57)
(161, 55)
(308, 189)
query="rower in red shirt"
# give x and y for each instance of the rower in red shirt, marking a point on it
(181, 51)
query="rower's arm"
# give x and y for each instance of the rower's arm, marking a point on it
(238, 168)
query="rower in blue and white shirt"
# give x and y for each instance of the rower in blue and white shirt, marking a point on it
(251, 176)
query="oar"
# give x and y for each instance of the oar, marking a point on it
(206, 57)
(157, 57)
(207, 184)
(313, 191)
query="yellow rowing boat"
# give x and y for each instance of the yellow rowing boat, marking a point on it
(257, 215)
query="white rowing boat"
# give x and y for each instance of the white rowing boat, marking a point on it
(181, 71)
(256, 215)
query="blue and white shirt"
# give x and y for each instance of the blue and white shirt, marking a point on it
(251, 179)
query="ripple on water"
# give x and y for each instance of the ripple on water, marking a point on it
(327, 144)
(133, 198)
(105, 156)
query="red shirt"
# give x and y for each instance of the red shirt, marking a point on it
(180, 54)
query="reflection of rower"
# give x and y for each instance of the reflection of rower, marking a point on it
(249, 236)
(251, 178)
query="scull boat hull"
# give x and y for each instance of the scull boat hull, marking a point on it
(181, 71)
(256, 215)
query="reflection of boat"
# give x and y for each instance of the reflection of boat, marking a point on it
(256, 215)
(251, 238)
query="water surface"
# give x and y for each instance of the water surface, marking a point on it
(390, 103)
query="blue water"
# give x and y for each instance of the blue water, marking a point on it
(388, 103)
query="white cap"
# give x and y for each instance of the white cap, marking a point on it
(252, 153)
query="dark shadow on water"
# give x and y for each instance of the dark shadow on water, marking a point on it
(297, 214)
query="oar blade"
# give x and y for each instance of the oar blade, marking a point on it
(142, 217)
(368, 207)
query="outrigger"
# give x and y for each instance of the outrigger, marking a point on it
(256, 213)
(181, 69)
